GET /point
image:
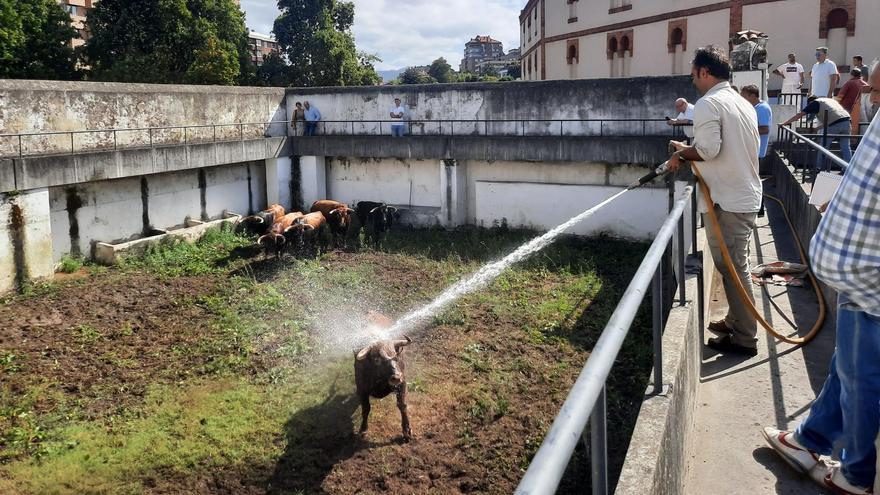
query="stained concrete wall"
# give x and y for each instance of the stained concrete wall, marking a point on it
(25, 238)
(649, 97)
(40, 106)
(116, 210)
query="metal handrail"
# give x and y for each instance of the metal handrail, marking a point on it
(156, 128)
(586, 400)
(821, 149)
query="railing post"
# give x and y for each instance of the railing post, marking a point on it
(601, 124)
(352, 131)
(486, 127)
(150, 134)
(71, 144)
(21, 149)
(241, 131)
(599, 446)
(380, 127)
(657, 306)
(452, 128)
(185, 137)
(700, 286)
(560, 128)
(215, 132)
(681, 283)
(115, 142)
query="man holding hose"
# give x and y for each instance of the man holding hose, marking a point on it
(726, 145)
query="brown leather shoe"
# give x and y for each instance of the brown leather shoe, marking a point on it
(719, 328)
(725, 345)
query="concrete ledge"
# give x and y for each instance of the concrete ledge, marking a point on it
(656, 462)
(617, 149)
(57, 170)
(109, 254)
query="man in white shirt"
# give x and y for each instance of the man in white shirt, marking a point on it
(725, 150)
(685, 117)
(397, 124)
(823, 76)
(792, 75)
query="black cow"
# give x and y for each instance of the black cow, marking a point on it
(378, 371)
(255, 225)
(376, 219)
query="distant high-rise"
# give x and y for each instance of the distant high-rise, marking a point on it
(480, 49)
(78, 9)
(261, 45)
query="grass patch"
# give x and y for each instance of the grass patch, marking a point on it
(70, 264)
(174, 257)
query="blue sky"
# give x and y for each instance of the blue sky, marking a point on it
(415, 32)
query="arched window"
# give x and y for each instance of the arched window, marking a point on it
(572, 53)
(677, 37)
(612, 45)
(837, 18)
(624, 44)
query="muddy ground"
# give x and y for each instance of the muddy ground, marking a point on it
(176, 359)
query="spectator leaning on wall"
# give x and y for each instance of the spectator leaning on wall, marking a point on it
(685, 117)
(397, 124)
(313, 116)
(845, 254)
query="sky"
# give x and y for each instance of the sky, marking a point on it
(414, 32)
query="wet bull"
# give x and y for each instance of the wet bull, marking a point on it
(378, 371)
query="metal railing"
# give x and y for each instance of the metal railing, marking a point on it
(805, 153)
(501, 127)
(587, 399)
(65, 142)
(796, 99)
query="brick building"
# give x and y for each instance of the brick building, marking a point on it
(579, 39)
(78, 9)
(480, 49)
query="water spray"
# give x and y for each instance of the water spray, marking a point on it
(491, 271)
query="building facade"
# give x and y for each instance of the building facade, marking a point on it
(78, 10)
(579, 39)
(480, 49)
(261, 45)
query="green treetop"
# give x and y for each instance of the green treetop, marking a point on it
(35, 40)
(169, 41)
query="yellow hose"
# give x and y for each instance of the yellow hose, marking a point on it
(741, 291)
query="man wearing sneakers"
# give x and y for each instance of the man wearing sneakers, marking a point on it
(845, 254)
(726, 145)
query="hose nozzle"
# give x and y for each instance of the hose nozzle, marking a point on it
(657, 172)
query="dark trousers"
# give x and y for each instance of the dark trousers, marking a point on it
(311, 127)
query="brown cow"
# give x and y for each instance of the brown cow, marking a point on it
(261, 222)
(378, 371)
(338, 217)
(275, 239)
(306, 231)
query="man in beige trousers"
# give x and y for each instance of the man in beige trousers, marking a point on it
(726, 146)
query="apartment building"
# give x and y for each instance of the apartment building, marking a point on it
(478, 50)
(78, 9)
(580, 39)
(261, 45)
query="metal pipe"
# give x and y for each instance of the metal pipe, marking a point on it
(681, 274)
(815, 146)
(599, 445)
(552, 457)
(657, 327)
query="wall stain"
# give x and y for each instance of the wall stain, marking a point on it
(203, 194)
(17, 232)
(145, 206)
(250, 191)
(296, 197)
(74, 203)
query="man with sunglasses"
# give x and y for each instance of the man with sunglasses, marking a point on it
(823, 75)
(726, 145)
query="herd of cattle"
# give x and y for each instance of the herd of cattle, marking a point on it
(299, 232)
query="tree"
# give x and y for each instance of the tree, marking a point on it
(273, 72)
(169, 41)
(441, 71)
(514, 71)
(415, 75)
(35, 40)
(316, 37)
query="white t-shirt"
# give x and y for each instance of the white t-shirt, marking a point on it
(688, 114)
(821, 77)
(400, 111)
(791, 74)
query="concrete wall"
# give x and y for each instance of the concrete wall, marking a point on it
(40, 106)
(25, 238)
(115, 210)
(519, 101)
(478, 192)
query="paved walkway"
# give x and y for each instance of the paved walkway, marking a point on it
(737, 397)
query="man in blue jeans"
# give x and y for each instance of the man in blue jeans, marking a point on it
(313, 116)
(845, 254)
(831, 111)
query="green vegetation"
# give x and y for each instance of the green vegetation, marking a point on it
(169, 41)
(35, 41)
(70, 264)
(241, 391)
(316, 37)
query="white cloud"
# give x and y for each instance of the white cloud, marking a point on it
(415, 32)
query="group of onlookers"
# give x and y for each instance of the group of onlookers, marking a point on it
(306, 118)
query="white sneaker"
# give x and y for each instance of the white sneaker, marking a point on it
(792, 452)
(837, 483)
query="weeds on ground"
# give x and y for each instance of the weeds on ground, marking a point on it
(70, 263)
(174, 257)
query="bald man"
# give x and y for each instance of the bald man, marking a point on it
(685, 117)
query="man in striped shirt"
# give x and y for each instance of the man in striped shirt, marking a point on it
(845, 254)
